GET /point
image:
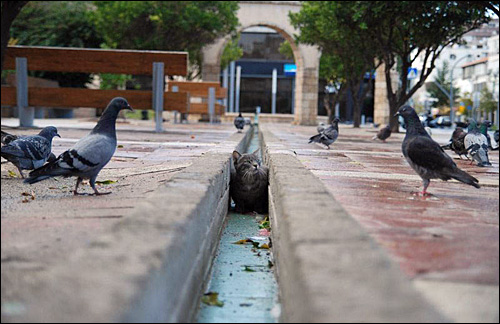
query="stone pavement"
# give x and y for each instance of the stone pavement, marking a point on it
(43, 224)
(447, 244)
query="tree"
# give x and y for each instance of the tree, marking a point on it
(10, 10)
(487, 103)
(443, 78)
(60, 24)
(232, 52)
(332, 26)
(404, 30)
(165, 25)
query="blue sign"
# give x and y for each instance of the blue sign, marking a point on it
(412, 73)
(290, 69)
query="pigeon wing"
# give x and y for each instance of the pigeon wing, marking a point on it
(426, 153)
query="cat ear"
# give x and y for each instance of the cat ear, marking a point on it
(256, 151)
(236, 156)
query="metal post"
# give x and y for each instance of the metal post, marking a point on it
(337, 110)
(274, 90)
(176, 113)
(293, 95)
(26, 114)
(158, 90)
(237, 91)
(232, 67)
(211, 104)
(452, 113)
(225, 82)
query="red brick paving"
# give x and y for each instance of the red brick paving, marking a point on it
(452, 236)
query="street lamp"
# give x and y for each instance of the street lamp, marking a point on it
(452, 113)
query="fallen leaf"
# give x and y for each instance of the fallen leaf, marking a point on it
(120, 146)
(12, 174)
(264, 232)
(105, 182)
(193, 137)
(248, 269)
(264, 246)
(212, 299)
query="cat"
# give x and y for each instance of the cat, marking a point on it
(249, 183)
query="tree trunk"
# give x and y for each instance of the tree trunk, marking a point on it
(10, 10)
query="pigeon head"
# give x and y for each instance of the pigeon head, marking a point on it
(486, 123)
(472, 124)
(49, 132)
(406, 112)
(118, 104)
(335, 120)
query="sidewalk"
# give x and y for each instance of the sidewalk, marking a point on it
(42, 230)
(448, 245)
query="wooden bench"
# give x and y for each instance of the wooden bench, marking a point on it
(58, 59)
(201, 90)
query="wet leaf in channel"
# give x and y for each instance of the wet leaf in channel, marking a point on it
(212, 299)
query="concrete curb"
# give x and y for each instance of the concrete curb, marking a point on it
(329, 269)
(151, 266)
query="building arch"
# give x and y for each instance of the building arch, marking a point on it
(274, 15)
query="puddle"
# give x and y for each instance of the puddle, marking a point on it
(242, 272)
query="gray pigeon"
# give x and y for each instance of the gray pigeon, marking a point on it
(328, 136)
(28, 152)
(484, 130)
(90, 154)
(239, 122)
(425, 156)
(476, 145)
(7, 138)
(496, 136)
(383, 133)
(456, 143)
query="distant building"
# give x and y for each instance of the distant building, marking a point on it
(469, 60)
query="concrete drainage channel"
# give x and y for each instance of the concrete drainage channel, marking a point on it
(243, 287)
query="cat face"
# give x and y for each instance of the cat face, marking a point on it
(248, 165)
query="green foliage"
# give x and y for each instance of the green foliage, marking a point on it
(488, 103)
(165, 25)
(57, 23)
(232, 52)
(113, 81)
(402, 29)
(286, 50)
(443, 78)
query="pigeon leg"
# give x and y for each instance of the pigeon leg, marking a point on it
(97, 193)
(426, 185)
(20, 172)
(78, 181)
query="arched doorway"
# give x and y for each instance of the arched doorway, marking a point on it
(274, 15)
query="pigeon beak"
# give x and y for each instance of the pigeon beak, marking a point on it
(397, 114)
(58, 135)
(129, 108)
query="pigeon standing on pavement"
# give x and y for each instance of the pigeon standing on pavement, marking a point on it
(457, 142)
(484, 130)
(383, 133)
(90, 154)
(28, 152)
(239, 122)
(425, 156)
(328, 136)
(477, 145)
(7, 138)
(496, 138)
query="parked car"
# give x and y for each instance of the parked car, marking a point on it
(441, 121)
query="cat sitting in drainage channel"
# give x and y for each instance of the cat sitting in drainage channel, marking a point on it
(249, 183)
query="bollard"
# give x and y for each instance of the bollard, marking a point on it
(176, 113)
(158, 89)
(26, 114)
(211, 104)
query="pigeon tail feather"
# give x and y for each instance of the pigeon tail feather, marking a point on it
(464, 177)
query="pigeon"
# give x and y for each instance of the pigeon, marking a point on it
(425, 156)
(89, 155)
(456, 143)
(328, 136)
(476, 145)
(484, 130)
(321, 127)
(495, 137)
(239, 122)
(28, 152)
(383, 133)
(7, 138)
